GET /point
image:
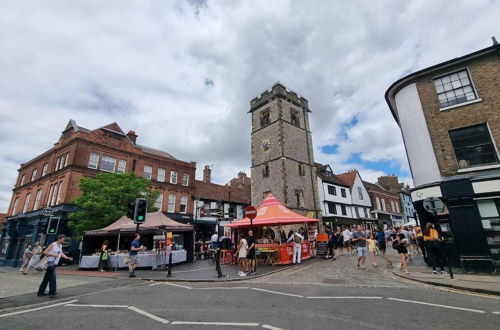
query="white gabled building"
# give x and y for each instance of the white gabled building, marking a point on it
(360, 200)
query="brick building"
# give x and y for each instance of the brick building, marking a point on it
(52, 179)
(391, 183)
(450, 121)
(386, 205)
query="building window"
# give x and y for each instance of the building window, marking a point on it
(294, 117)
(49, 196)
(122, 165)
(473, 146)
(183, 207)
(66, 159)
(302, 169)
(393, 206)
(171, 203)
(265, 170)
(58, 161)
(185, 179)
(332, 190)
(356, 209)
(161, 175)
(148, 170)
(383, 204)
(33, 175)
(377, 200)
(14, 209)
(59, 193)
(23, 179)
(44, 170)
(343, 209)
(173, 177)
(366, 212)
(37, 199)
(93, 160)
(454, 89)
(26, 202)
(108, 164)
(397, 207)
(332, 208)
(342, 192)
(63, 160)
(360, 193)
(265, 118)
(159, 202)
(299, 195)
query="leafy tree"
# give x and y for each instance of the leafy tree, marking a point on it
(105, 198)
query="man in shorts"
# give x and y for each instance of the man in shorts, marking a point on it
(359, 238)
(135, 247)
(346, 234)
(251, 252)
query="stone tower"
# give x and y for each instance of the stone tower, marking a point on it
(282, 152)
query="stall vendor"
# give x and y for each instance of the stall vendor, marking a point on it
(297, 244)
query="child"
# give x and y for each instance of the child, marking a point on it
(371, 243)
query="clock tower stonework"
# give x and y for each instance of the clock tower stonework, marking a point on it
(282, 152)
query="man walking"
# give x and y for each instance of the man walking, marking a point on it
(251, 252)
(346, 234)
(359, 238)
(135, 247)
(54, 253)
(297, 246)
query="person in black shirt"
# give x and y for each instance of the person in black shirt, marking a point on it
(251, 252)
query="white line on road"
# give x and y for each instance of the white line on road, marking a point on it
(38, 308)
(276, 292)
(153, 284)
(178, 285)
(97, 306)
(343, 297)
(438, 305)
(270, 327)
(223, 288)
(496, 312)
(233, 324)
(151, 316)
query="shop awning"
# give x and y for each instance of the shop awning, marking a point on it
(272, 213)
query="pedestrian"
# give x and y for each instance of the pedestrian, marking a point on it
(26, 258)
(54, 253)
(332, 244)
(433, 248)
(242, 256)
(359, 238)
(400, 242)
(380, 237)
(371, 244)
(346, 235)
(135, 247)
(104, 257)
(297, 246)
(35, 258)
(251, 252)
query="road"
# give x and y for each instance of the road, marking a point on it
(314, 295)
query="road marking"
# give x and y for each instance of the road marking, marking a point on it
(496, 312)
(298, 270)
(153, 284)
(38, 308)
(97, 306)
(178, 285)
(224, 288)
(438, 305)
(151, 316)
(344, 297)
(232, 324)
(276, 292)
(265, 326)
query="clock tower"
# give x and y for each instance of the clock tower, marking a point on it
(282, 152)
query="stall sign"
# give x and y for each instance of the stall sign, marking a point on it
(321, 248)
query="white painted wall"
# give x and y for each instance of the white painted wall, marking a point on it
(356, 200)
(416, 136)
(337, 199)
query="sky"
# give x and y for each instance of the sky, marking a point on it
(181, 73)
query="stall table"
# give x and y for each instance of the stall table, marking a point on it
(285, 251)
(147, 260)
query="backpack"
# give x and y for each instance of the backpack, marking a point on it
(395, 245)
(296, 238)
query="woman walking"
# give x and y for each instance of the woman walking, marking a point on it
(242, 251)
(431, 243)
(35, 258)
(54, 253)
(26, 258)
(399, 244)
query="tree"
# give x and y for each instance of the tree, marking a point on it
(105, 198)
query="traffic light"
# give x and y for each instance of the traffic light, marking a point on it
(141, 209)
(131, 210)
(53, 225)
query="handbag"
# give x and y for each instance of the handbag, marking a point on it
(42, 264)
(126, 260)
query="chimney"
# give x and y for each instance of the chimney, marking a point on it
(132, 136)
(242, 175)
(207, 174)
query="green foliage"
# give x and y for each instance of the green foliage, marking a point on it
(105, 198)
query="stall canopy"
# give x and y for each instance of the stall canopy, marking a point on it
(272, 213)
(154, 221)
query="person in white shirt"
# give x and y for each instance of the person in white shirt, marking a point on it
(297, 244)
(347, 235)
(54, 253)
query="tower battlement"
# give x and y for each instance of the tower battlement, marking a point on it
(279, 90)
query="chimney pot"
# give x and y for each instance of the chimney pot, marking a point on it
(207, 174)
(132, 136)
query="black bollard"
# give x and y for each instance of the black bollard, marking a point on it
(217, 263)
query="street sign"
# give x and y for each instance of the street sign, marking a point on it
(250, 212)
(433, 205)
(47, 211)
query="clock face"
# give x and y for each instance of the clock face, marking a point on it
(266, 144)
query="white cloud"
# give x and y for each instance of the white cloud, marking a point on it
(145, 64)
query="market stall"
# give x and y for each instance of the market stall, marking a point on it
(270, 226)
(153, 236)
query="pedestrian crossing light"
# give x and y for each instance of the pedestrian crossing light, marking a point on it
(53, 225)
(141, 210)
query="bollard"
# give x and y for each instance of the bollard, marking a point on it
(169, 267)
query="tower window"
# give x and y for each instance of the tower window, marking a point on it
(299, 195)
(265, 118)
(302, 169)
(294, 117)
(265, 170)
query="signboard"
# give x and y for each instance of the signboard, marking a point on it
(321, 248)
(433, 205)
(47, 211)
(250, 212)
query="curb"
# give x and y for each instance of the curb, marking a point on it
(452, 286)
